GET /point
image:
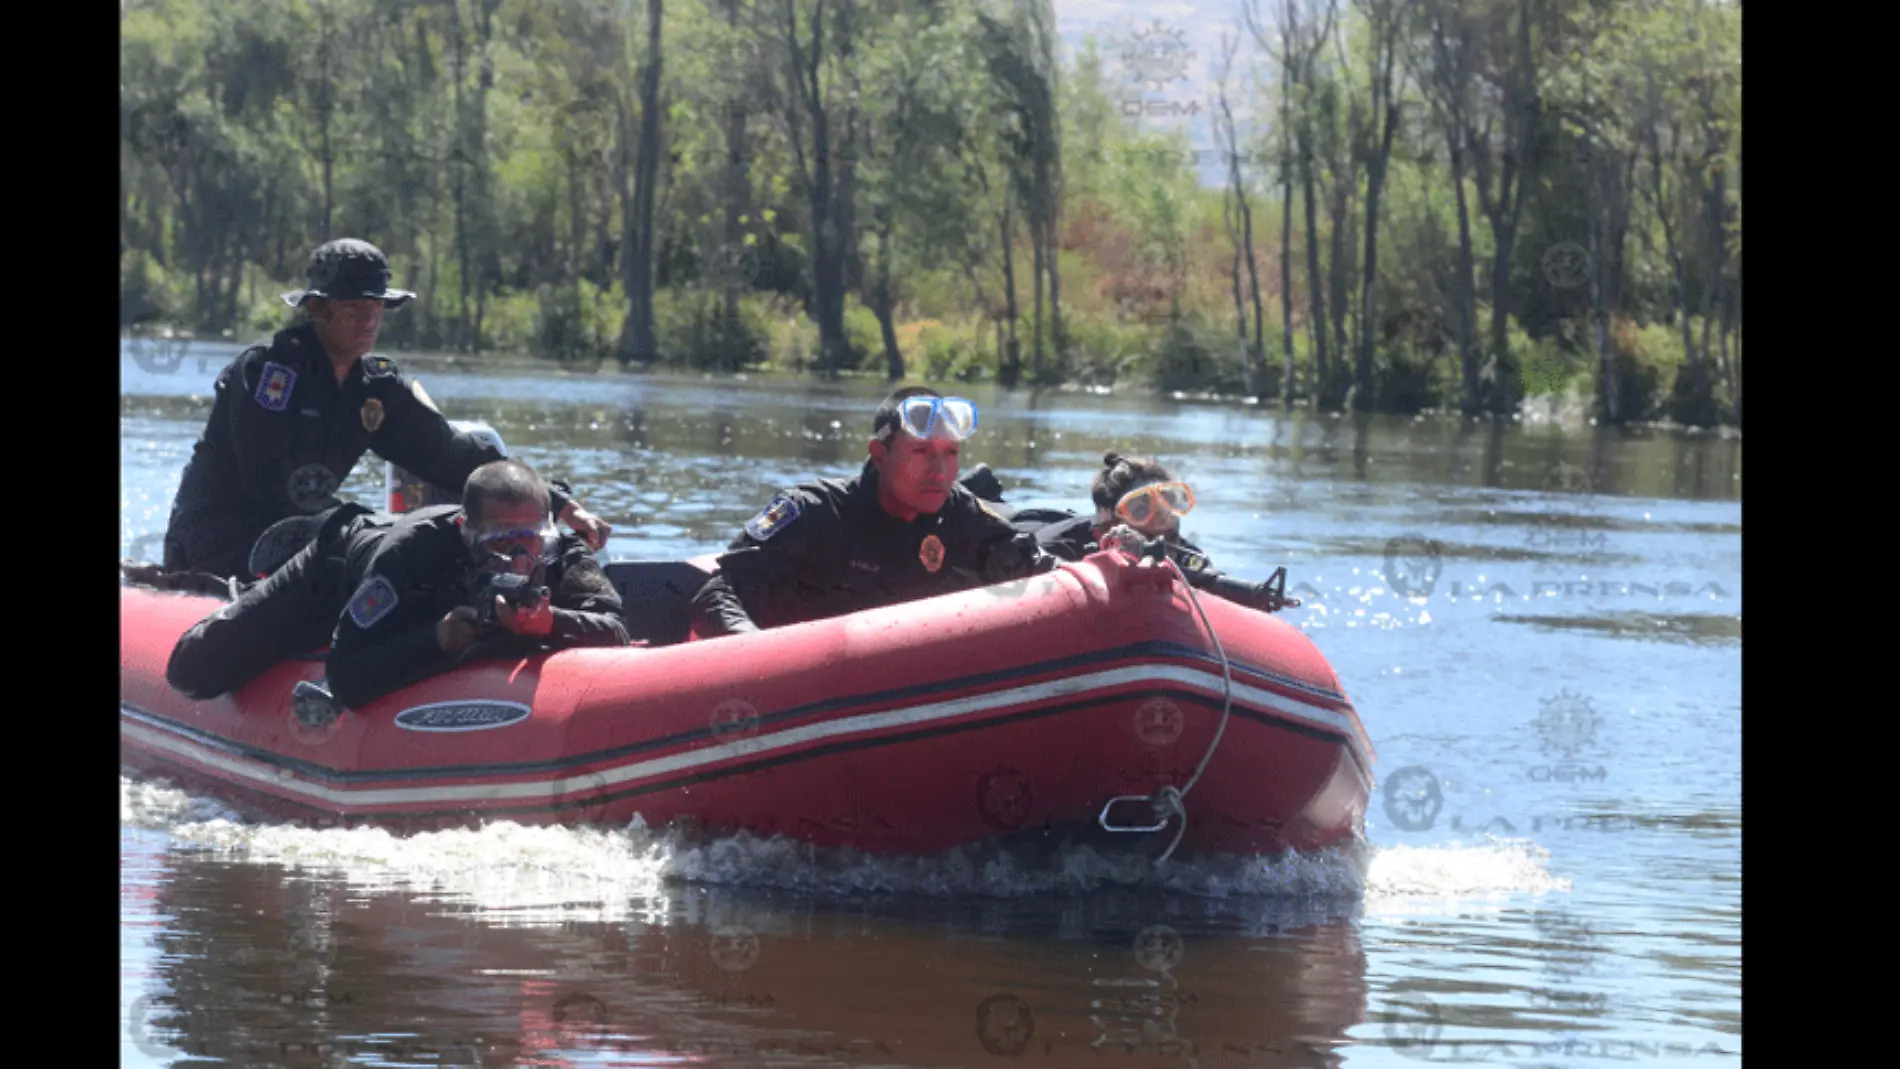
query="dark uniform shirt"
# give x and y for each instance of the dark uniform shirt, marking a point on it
(827, 548)
(284, 433)
(406, 576)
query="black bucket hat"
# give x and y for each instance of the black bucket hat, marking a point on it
(349, 270)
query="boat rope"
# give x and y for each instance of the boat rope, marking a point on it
(1170, 801)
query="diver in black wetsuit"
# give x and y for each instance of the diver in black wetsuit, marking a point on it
(1140, 493)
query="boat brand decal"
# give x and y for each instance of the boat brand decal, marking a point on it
(462, 716)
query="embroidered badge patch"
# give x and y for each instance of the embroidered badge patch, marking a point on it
(783, 510)
(273, 390)
(931, 553)
(378, 367)
(372, 415)
(372, 602)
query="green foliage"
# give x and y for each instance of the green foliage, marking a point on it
(488, 149)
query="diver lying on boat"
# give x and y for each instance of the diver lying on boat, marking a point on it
(903, 529)
(402, 598)
(1137, 492)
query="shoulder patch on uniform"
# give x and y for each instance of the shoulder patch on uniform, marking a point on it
(372, 602)
(378, 367)
(273, 388)
(783, 510)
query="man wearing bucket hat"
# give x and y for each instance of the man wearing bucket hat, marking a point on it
(290, 419)
(904, 529)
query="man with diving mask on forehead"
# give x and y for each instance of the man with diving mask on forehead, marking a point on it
(902, 530)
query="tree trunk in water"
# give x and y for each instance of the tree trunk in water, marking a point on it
(637, 341)
(1315, 287)
(846, 187)
(738, 191)
(1715, 261)
(486, 247)
(1255, 368)
(1286, 231)
(1611, 391)
(1054, 267)
(1339, 271)
(827, 250)
(1011, 357)
(1035, 244)
(1467, 289)
(1369, 270)
(1240, 301)
(459, 182)
(1315, 282)
(893, 358)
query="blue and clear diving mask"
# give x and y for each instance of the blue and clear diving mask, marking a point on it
(939, 417)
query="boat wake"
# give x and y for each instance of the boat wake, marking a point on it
(546, 874)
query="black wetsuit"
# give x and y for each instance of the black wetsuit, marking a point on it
(284, 434)
(1069, 536)
(827, 548)
(373, 586)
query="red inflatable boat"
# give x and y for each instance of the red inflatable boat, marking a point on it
(1064, 704)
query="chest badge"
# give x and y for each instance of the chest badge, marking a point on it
(372, 415)
(931, 553)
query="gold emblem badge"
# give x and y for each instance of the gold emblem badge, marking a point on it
(931, 553)
(372, 415)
